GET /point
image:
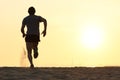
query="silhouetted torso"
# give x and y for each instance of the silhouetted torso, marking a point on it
(32, 23)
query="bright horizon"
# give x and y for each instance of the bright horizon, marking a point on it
(79, 33)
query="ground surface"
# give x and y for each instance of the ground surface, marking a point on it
(80, 73)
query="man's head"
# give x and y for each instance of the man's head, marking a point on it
(31, 10)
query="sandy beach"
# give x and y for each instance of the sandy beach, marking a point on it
(75, 73)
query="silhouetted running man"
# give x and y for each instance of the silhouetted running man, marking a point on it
(32, 36)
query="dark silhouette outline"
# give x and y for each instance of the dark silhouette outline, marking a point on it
(32, 35)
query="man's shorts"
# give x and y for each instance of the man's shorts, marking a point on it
(32, 38)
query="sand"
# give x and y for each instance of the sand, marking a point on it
(76, 73)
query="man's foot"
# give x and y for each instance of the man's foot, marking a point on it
(35, 53)
(32, 66)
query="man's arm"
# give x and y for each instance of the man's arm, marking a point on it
(22, 30)
(45, 26)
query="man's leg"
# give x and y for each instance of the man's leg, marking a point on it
(29, 50)
(35, 49)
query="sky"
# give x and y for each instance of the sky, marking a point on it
(79, 33)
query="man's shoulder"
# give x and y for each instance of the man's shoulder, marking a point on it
(25, 17)
(38, 16)
(32, 16)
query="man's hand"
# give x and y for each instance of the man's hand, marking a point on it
(44, 33)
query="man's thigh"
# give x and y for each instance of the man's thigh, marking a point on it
(31, 45)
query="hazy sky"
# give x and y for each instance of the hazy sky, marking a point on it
(80, 32)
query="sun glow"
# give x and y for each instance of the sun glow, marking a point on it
(92, 36)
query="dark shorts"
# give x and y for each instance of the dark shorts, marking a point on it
(32, 38)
